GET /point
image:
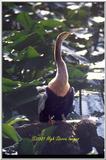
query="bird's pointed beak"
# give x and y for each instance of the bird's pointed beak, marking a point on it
(68, 34)
(63, 35)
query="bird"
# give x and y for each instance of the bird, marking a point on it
(59, 92)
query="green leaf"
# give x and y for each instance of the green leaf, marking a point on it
(40, 145)
(39, 31)
(10, 70)
(77, 73)
(51, 23)
(31, 52)
(17, 119)
(6, 89)
(9, 82)
(48, 131)
(16, 36)
(10, 132)
(25, 20)
(83, 13)
(25, 147)
(28, 53)
(35, 82)
(9, 85)
(9, 5)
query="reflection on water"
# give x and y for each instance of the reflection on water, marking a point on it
(92, 104)
(98, 19)
(92, 75)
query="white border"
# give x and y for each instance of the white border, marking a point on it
(1, 68)
(1, 81)
(105, 72)
(53, 1)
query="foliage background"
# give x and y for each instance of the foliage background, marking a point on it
(29, 30)
(29, 33)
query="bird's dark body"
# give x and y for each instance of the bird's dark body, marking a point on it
(56, 105)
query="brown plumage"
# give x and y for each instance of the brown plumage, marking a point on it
(59, 84)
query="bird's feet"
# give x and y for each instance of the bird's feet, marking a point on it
(51, 120)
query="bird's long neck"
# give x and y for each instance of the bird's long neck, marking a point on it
(57, 51)
(62, 72)
(59, 84)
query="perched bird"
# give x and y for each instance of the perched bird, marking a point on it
(59, 93)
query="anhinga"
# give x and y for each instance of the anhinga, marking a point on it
(59, 92)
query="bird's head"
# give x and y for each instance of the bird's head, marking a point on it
(63, 35)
